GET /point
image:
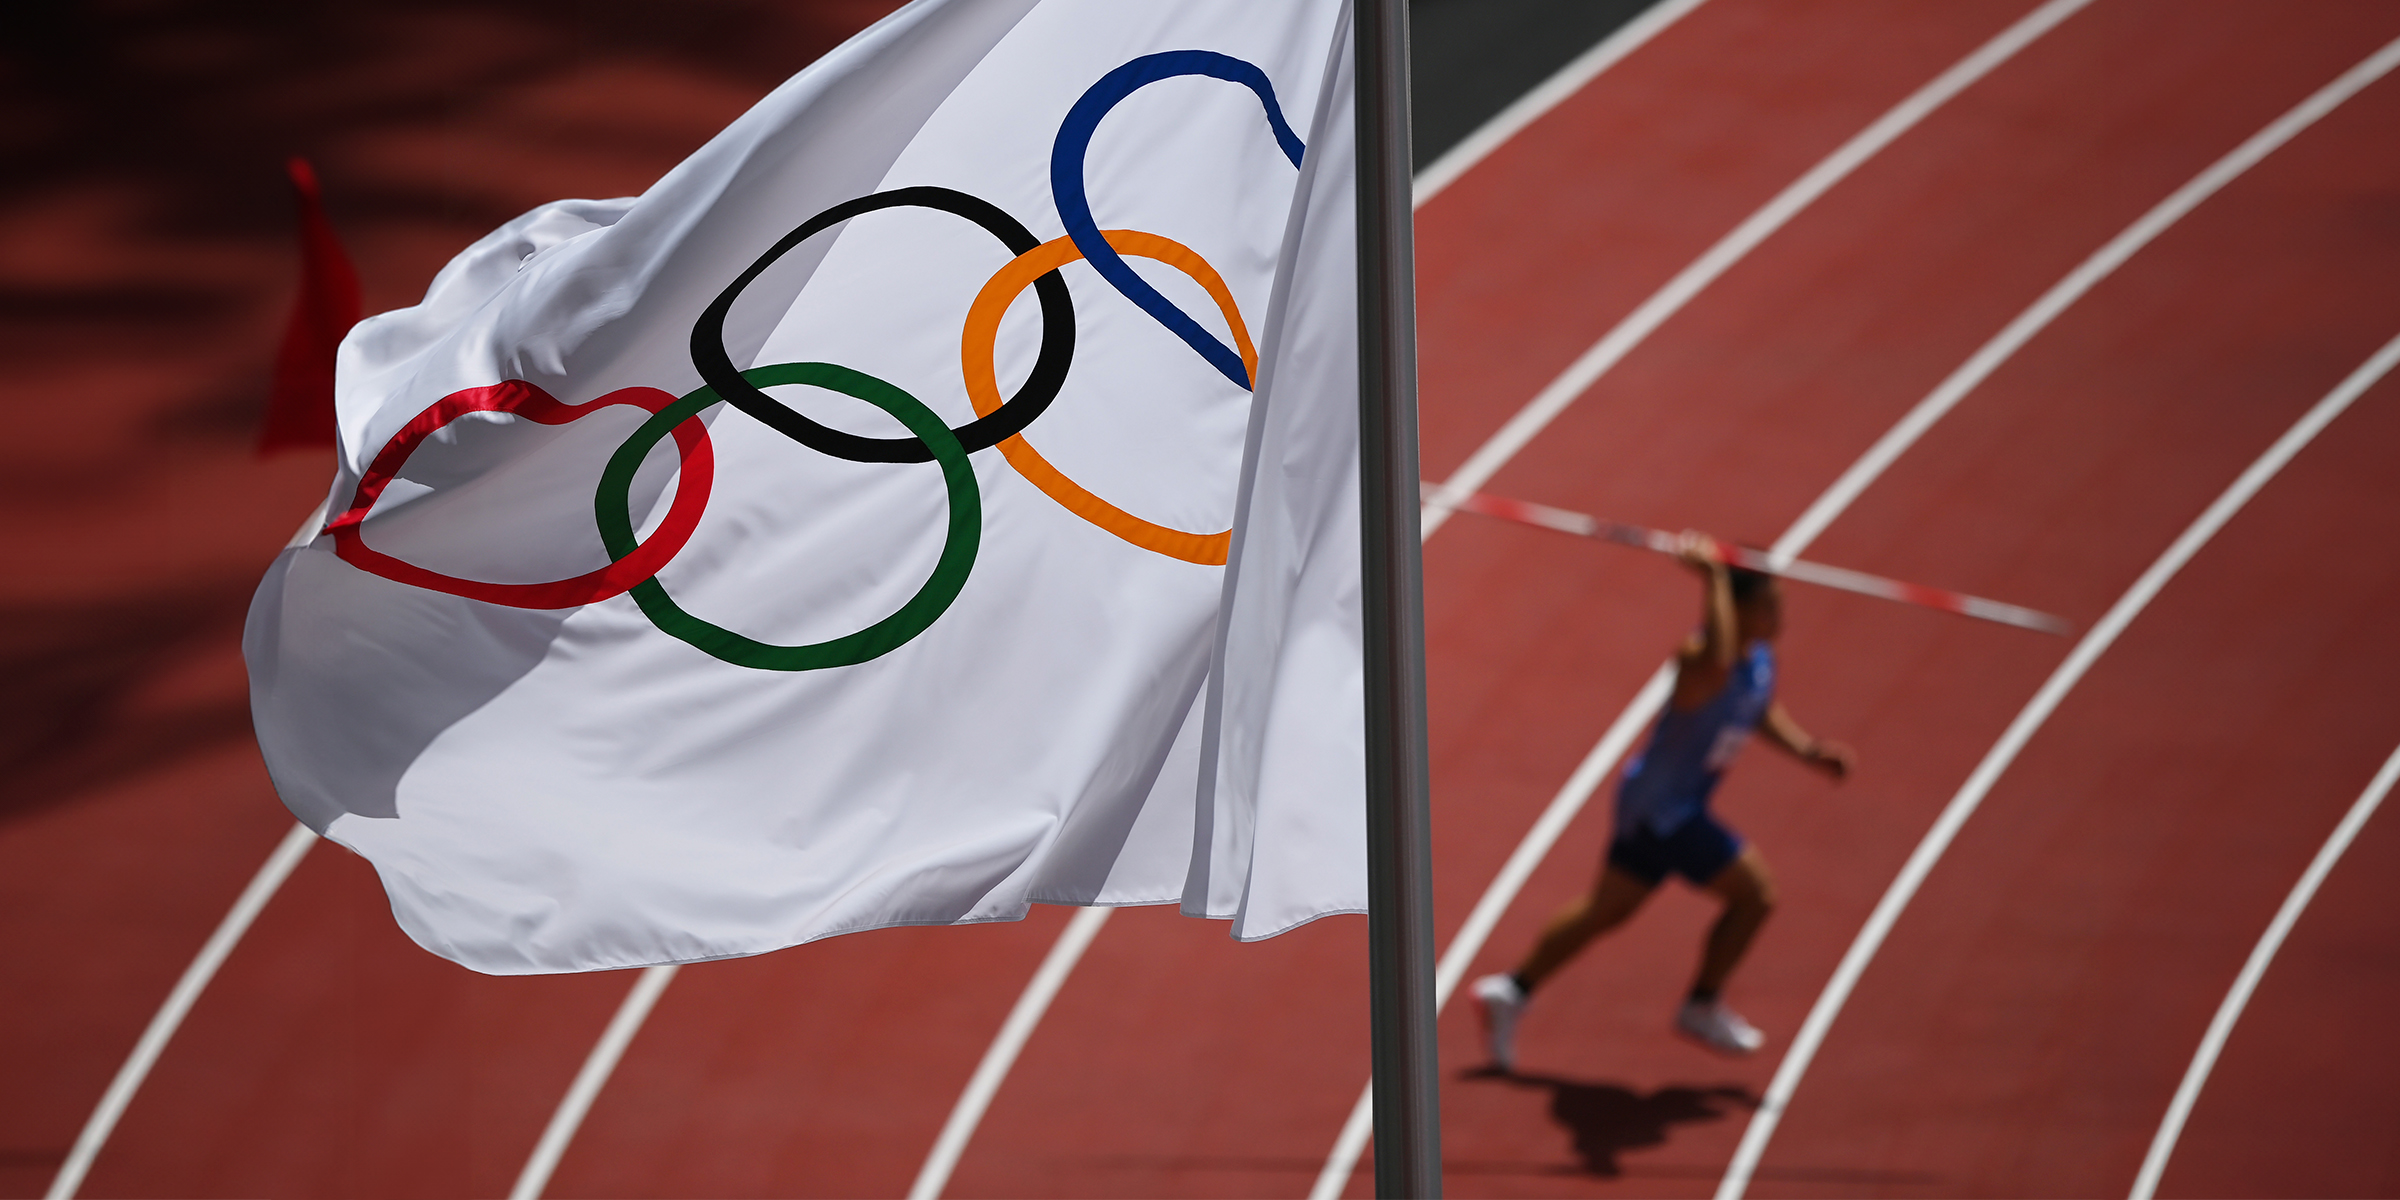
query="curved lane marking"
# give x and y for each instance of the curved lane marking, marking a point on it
(1638, 325)
(597, 1067)
(186, 992)
(169, 1017)
(1549, 94)
(1002, 1054)
(1937, 839)
(1529, 421)
(2162, 1146)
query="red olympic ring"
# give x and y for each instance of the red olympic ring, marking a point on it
(532, 403)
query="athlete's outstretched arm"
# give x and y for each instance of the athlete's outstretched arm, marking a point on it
(1824, 754)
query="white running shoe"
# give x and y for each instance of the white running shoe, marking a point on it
(1501, 1003)
(1717, 1027)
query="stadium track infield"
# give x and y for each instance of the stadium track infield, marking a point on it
(369, 1068)
(1732, 417)
(2063, 959)
(1923, 699)
(2298, 1102)
(334, 1058)
(2159, 819)
(147, 265)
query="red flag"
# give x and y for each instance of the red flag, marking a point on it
(300, 404)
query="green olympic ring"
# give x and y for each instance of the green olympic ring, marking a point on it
(612, 509)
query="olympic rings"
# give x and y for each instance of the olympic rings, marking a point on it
(632, 565)
(950, 571)
(983, 388)
(1041, 387)
(1075, 208)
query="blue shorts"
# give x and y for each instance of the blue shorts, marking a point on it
(1699, 850)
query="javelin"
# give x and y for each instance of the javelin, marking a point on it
(1583, 525)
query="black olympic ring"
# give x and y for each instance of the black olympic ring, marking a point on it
(1011, 418)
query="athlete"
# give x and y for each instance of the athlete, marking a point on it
(1724, 688)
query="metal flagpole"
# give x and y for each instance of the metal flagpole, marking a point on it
(1400, 959)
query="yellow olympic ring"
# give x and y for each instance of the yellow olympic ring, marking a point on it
(976, 351)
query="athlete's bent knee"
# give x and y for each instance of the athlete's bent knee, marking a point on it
(1746, 885)
(1763, 896)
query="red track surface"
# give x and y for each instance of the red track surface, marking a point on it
(2020, 1033)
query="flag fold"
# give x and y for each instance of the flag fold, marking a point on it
(935, 496)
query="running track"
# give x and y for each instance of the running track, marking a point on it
(2019, 1033)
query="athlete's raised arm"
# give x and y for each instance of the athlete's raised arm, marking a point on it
(1705, 658)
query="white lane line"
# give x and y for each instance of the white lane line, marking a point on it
(169, 1017)
(2004, 752)
(1731, 249)
(2154, 1164)
(1351, 1143)
(1459, 957)
(1430, 182)
(597, 1067)
(2070, 289)
(1552, 92)
(1002, 1054)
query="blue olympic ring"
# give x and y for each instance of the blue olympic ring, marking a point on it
(1075, 207)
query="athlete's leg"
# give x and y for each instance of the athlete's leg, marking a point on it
(1748, 890)
(1615, 897)
(1501, 999)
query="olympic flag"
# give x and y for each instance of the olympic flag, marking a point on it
(938, 495)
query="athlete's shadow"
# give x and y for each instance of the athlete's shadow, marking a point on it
(1607, 1119)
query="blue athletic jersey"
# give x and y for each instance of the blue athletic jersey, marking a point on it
(1670, 781)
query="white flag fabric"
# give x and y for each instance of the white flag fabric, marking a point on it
(937, 495)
